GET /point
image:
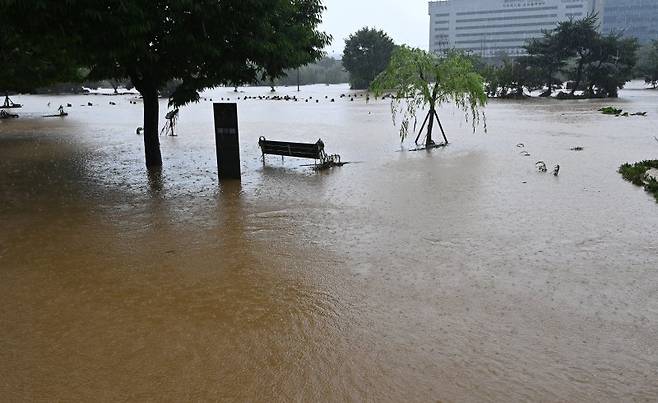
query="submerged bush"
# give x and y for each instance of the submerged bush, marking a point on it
(636, 174)
(610, 110)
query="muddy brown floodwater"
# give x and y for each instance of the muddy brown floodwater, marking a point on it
(459, 274)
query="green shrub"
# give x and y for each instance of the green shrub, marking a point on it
(635, 173)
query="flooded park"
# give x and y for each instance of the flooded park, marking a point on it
(456, 274)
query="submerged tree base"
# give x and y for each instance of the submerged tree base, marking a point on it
(429, 147)
(568, 95)
(637, 174)
(514, 95)
(585, 95)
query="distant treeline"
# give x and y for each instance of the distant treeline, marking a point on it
(325, 71)
(575, 53)
(78, 88)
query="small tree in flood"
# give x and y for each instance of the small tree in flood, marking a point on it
(417, 79)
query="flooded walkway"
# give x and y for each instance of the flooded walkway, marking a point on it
(460, 274)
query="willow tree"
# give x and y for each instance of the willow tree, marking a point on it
(196, 43)
(418, 80)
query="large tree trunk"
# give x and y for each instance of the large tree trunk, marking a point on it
(151, 135)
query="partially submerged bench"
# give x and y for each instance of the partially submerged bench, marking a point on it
(299, 150)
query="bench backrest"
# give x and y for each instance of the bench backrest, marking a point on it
(287, 149)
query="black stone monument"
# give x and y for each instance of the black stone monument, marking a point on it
(227, 140)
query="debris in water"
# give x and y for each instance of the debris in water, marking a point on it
(556, 170)
(611, 110)
(577, 148)
(170, 126)
(541, 166)
(61, 113)
(525, 153)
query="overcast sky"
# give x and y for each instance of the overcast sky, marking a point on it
(406, 21)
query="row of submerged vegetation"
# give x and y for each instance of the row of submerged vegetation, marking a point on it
(574, 52)
(591, 64)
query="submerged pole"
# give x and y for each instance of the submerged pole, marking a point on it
(420, 132)
(441, 127)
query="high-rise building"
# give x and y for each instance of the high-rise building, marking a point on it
(632, 18)
(491, 27)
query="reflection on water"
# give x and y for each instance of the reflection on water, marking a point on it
(456, 275)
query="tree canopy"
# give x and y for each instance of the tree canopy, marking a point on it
(199, 43)
(577, 38)
(367, 53)
(547, 59)
(418, 79)
(598, 64)
(28, 63)
(511, 77)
